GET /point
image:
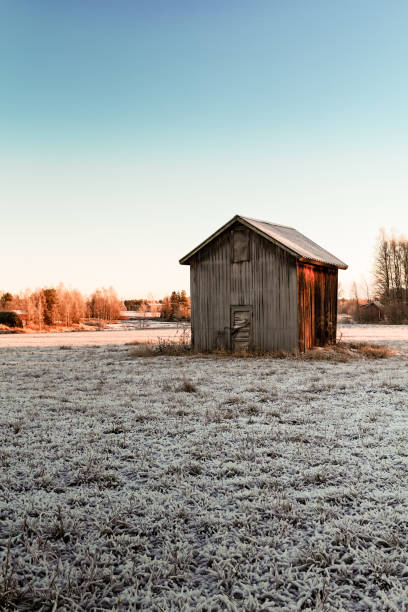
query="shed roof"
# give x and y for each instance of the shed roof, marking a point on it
(375, 303)
(287, 238)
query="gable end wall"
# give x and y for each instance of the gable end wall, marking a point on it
(267, 282)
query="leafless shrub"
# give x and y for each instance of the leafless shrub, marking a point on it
(163, 347)
(17, 425)
(252, 409)
(187, 387)
(374, 351)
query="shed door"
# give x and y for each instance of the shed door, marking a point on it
(241, 324)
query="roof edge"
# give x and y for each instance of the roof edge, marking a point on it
(185, 260)
(317, 262)
(247, 222)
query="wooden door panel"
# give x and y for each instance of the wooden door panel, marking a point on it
(241, 327)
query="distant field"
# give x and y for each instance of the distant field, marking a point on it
(396, 335)
(177, 483)
(114, 335)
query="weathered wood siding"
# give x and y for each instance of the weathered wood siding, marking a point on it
(267, 283)
(317, 305)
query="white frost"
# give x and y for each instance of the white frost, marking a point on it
(277, 485)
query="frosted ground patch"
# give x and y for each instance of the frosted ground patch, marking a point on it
(176, 483)
(115, 334)
(395, 335)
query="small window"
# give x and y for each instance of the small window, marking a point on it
(240, 245)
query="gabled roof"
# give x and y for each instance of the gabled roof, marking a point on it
(373, 303)
(287, 238)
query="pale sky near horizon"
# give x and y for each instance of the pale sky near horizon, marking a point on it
(131, 130)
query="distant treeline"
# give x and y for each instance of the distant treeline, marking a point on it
(61, 306)
(53, 306)
(391, 276)
(173, 307)
(387, 300)
(176, 307)
(136, 305)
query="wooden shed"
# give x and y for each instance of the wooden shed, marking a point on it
(260, 286)
(372, 311)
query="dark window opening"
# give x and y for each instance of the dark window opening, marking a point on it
(240, 245)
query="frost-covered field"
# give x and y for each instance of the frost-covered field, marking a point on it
(114, 335)
(395, 335)
(176, 483)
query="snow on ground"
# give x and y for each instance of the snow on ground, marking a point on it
(92, 338)
(274, 485)
(394, 335)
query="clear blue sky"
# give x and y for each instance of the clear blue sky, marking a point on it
(130, 130)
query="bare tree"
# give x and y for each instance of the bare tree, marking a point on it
(104, 304)
(382, 272)
(391, 276)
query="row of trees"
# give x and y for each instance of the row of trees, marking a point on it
(389, 291)
(145, 306)
(391, 276)
(176, 307)
(61, 306)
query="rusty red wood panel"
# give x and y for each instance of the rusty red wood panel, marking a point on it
(317, 305)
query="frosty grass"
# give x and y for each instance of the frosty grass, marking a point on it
(274, 485)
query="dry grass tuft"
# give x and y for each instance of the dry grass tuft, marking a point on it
(373, 351)
(187, 387)
(341, 352)
(336, 353)
(164, 347)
